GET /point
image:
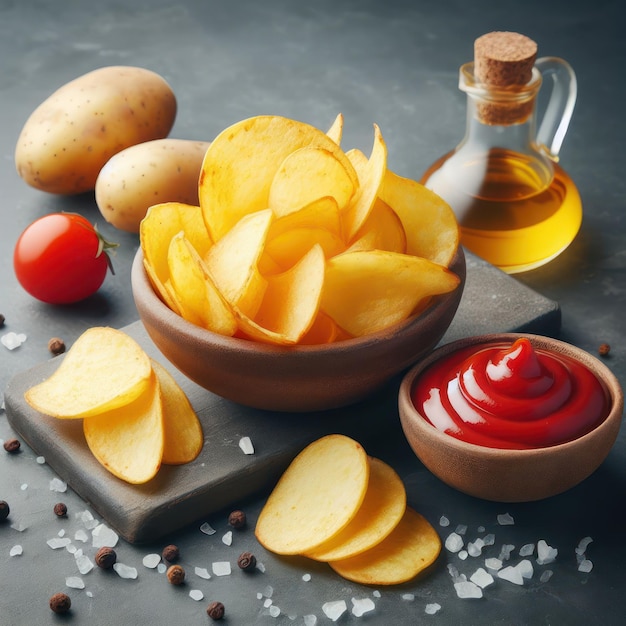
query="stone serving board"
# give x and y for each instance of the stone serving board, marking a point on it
(223, 475)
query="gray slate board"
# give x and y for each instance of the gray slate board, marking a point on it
(223, 475)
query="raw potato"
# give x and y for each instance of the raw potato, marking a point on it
(182, 430)
(412, 546)
(152, 172)
(316, 497)
(103, 370)
(71, 135)
(381, 511)
(128, 441)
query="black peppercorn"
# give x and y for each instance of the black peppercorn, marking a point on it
(60, 603)
(170, 553)
(56, 346)
(246, 561)
(4, 510)
(237, 519)
(215, 610)
(106, 557)
(176, 574)
(2, 318)
(12, 445)
(604, 349)
(60, 510)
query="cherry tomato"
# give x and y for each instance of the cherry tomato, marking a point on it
(61, 258)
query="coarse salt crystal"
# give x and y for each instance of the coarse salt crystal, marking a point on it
(432, 607)
(267, 603)
(583, 544)
(306, 577)
(334, 609)
(161, 568)
(545, 553)
(482, 578)
(444, 521)
(56, 484)
(81, 535)
(202, 572)
(83, 563)
(196, 594)
(489, 540)
(245, 443)
(58, 542)
(546, 575)
(207, 529)
(74, 582)
(454, 542)
(585, 566)
(41, 460)
(104, 537)
(151, 560)
(361, 606)
(12, 340)
(527, 549)
(461, 529)
(511, 574)
(467, 589)
(505, 551)
(125, 571)
(409, 597)
(274, 611)
(525, 568)
(505, 519)
(24, 486)
(310, 620)
(462, 554)
(493, 564)
(227, 539)
(221, 568)
(16, 550)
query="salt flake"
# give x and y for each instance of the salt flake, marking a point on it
(41, 460)
(585, 566)
(103, 536)
(151, 560)
(125, 571)
(545, 553)
(245, 443)
(202, 572)
(504, 519)
(360, 606)
(221, 568)
(511, 574)
(58, 542)
(432, 607)
(196, 594)
(56, 484)
(310, 620)
(306, 577)
(334, 609)
(74, 582)
(444, 521)
(482, 578)
(468, 589)
(207, 529)
(16, 550)
(83, 563)
(12, 340)
(454, 542)
(227, 539)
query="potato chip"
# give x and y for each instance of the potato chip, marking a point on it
(103, 370)
(430, 225)
(367, 291)
(241, 162)
(307, 175)
(128, 441)
(336, 130)
(321, 213)
(233, 262)
(371, 173)
(182, 431)
(381, 511)
(323, 330)
(411, 547)
(161, 223)
(382, 230)
(162, 288)
(196, 294)
(291, 302)
(287, 249)
(316, 497)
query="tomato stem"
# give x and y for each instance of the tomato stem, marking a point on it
(105, 247)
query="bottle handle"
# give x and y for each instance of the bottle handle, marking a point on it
(560, 106)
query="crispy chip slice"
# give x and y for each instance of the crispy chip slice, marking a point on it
(128, 441)
(323, 330)
(196, 294)
(335, 132)
(411, 547)
(232, 262)
(182, 430)
(320, 213)
(103, 370)
(291, 302)
(430, 225)
(162, 288)
(367, 291)
(382, 230)
(288, 248)
(371, 173)
(381, 511)
(306, 175)
(241, 162)
(316, 497)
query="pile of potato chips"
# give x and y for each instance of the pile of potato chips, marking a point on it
(295, 241)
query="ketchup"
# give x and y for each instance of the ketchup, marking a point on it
(511, 396)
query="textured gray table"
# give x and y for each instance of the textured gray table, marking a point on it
(393, 63)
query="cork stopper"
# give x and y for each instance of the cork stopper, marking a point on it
(504, 59)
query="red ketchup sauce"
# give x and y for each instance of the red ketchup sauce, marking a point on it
(513, 396)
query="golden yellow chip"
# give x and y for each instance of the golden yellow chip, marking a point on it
(232, 262)
(287, 249)
(307, 175)
(316, 497)
(336, 130)
(103, 370)
(321, 213)
(182, 431)
(382, 230)
(367, 291)
(291, 302)
(128, 441)
(241, 162)
(412, 546)
(381, 511)
(430, 225)
(371, 173)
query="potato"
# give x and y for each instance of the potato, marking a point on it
(152, 172)
(71, 135)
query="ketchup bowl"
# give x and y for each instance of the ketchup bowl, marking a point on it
(297, 378)
(511, 417)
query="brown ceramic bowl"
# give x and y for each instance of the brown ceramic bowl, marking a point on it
(510, 475)
(304, 378)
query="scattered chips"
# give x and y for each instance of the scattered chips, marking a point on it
(273, 189)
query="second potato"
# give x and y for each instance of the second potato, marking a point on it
(163, 170)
